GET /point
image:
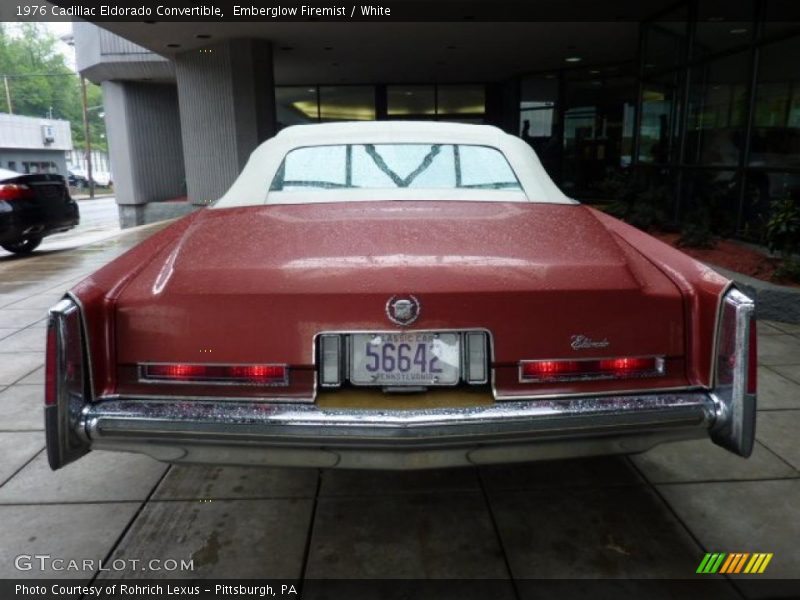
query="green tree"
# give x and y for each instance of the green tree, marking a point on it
(41, 84)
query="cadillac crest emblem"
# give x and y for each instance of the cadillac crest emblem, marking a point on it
(402, 310)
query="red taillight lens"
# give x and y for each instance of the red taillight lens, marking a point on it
(624, 366)
(242, 374)
(64, 373)
(50, 364)
(177, 372)
(609, 368)
(15, 191)
(549, 368)
(732, 342)
(752, 359)
(259, 373)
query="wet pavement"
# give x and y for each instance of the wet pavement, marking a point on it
(653, 515)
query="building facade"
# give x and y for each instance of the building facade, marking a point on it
(33, 145)
(691, 110)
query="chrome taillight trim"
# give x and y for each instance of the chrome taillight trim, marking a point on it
(142, 377)
(660, 370)
(734, 426)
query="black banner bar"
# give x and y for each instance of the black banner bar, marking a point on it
(376, 11)
(707, 587)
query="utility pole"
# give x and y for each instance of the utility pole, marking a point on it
(87, 138)
(8, 95)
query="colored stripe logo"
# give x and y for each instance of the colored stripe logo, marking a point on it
(734, 562)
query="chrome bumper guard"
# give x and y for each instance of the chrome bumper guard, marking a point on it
(232, 432)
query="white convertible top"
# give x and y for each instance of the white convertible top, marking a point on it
(252, 185)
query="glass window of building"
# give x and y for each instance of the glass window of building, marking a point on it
(538, 96)
(296, 105)
(776, 136)
(657, 122)
(774, 158)
(717, 111)
(411, 100)
(596, 109)
(347, 103)
(460, 100)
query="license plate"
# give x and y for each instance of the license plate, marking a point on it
(405, 358)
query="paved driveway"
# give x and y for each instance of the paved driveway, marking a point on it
(649, 516)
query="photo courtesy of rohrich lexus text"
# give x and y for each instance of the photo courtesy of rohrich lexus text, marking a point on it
(442, 299)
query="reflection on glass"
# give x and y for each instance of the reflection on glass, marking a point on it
(296, 105)
(461, 99)
(717, 111)
(347, 103)
(403, 100)
(537, 104)
(776, 136)
(384, 166)
(537, 119)
(598, 129)
(657, 122)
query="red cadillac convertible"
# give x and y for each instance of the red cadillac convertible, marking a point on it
(397, 296)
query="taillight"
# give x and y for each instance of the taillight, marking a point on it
(50, 364)
(735, 365)
(64, 366)
(199, 373)
(622, 367)
(15, 191)
(752, 358)
(736, 360)
(66, 385)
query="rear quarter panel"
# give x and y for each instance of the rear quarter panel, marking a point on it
(701, 287)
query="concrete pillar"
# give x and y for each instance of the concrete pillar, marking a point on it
(144, 141)
(227, 108)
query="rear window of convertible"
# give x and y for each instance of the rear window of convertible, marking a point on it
(394, 166)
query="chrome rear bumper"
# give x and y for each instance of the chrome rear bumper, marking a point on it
(273, 433)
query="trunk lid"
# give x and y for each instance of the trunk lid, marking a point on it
(256, 284)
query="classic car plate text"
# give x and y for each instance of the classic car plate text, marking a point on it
(407, 358)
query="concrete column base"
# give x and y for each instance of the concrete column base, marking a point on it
(131, 215)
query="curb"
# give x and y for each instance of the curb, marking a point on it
(96, 197)
(774, 302)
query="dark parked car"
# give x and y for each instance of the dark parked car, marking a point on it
(32, 207)
(77, 180)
